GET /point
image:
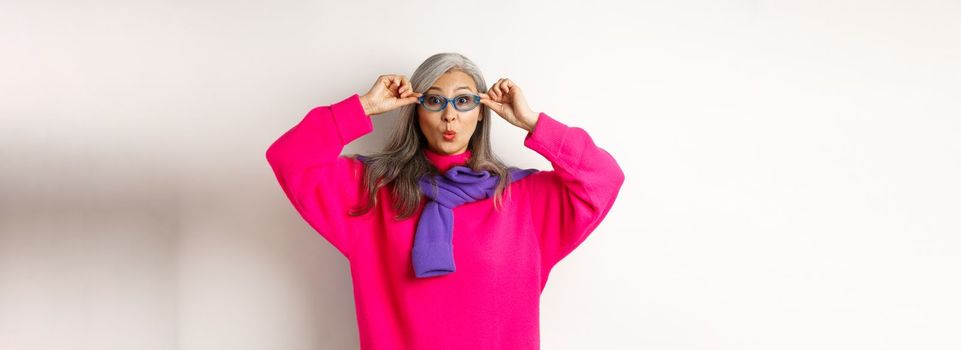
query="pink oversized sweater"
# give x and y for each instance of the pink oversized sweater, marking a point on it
(503, 258)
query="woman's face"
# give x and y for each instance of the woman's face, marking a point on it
(434, 125)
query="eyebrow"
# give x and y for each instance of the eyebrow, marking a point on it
(462, 87)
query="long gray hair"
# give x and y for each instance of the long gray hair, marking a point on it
(402, 162)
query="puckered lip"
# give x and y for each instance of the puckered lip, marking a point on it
(450, 132)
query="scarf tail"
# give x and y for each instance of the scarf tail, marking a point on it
(433, 251)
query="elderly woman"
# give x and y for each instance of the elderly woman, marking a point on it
(459, 257)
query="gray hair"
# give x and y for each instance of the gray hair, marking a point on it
(402, 161)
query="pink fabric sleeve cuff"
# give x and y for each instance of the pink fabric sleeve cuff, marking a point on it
(547, 137)
(350, 119)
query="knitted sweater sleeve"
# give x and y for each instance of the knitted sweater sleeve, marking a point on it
(321, 184)
(571, 200)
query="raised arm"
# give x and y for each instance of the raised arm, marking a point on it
(320, 183)
(571, 200)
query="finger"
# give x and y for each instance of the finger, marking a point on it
(496, 107)
(409, 100)
(514, 89)
(405, 84)
(518, 93)
(491, 103)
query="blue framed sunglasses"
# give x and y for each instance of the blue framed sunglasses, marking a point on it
(437, 103)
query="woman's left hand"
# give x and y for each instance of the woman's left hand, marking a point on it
(506, 99)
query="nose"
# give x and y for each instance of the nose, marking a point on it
(449, 114)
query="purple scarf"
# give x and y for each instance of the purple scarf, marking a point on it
(433, 253)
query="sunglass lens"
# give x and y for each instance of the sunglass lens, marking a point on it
(465, 102)
(433, 102)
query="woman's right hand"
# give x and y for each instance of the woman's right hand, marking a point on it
(389, 92)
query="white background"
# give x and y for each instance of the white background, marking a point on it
(791, 167)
